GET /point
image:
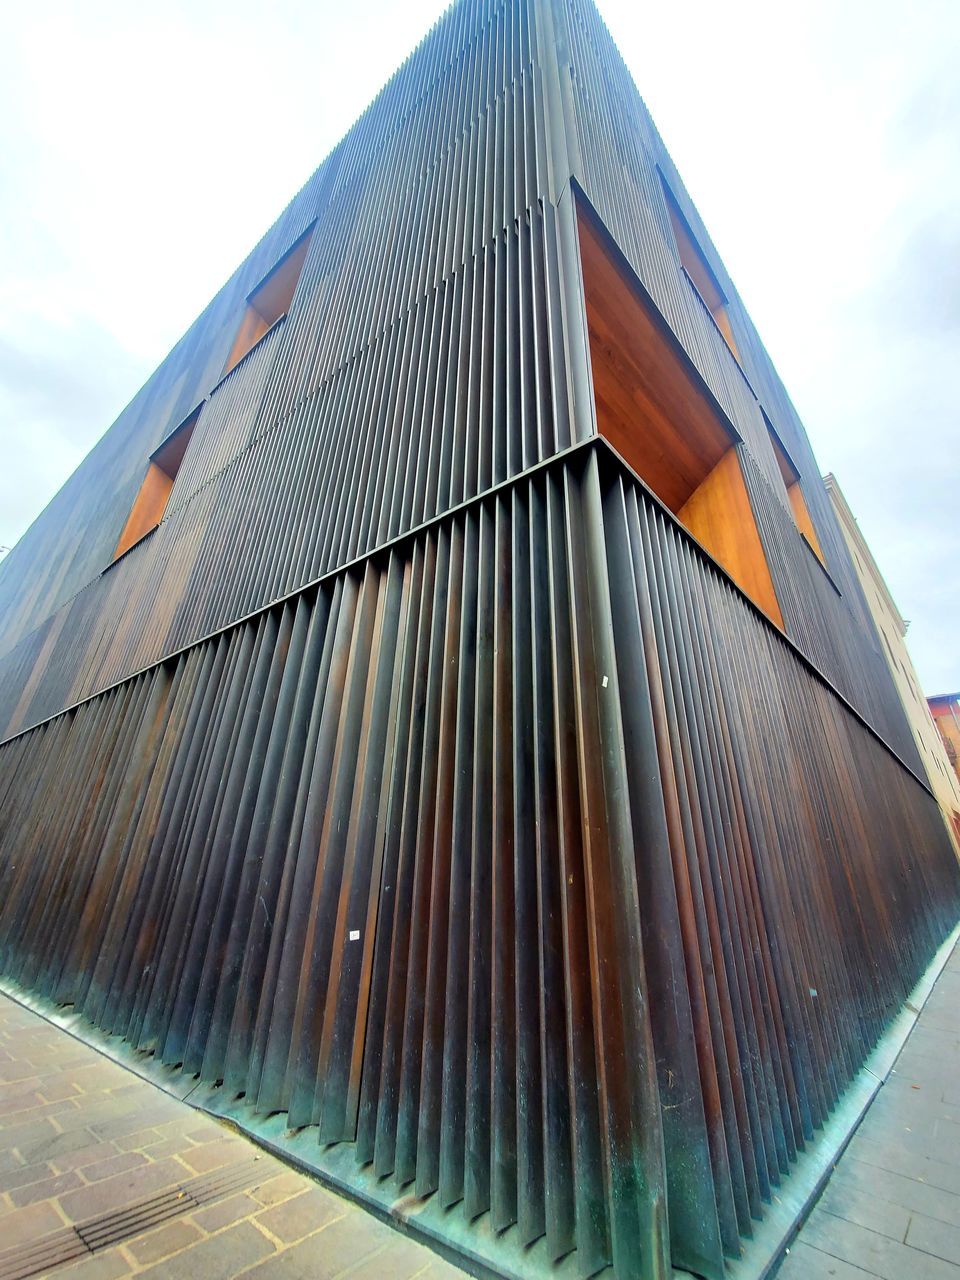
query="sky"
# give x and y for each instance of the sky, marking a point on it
(820, 141)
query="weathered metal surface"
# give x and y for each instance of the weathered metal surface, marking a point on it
(433, 348)
(526, 857)
(419, 777)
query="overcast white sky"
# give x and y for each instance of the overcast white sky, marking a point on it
(821, 142)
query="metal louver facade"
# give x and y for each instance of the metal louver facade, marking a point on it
(420, 777)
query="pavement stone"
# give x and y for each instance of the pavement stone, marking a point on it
(890, 1188)
(891, 1208)
(218, 1257)
(122, 1162)
(279, 1188)
(111, 1264)
(938, 1238)
(81, 1137)
(305, 1213)
(400, 1261)
(52, 1145)
(803, 1262)
(876, 1254)
(327, 1254)
(225, 1212)
(24, 1226)
(165, 1241)
(122, 1189)
(29, 1137)
(216, 1155)
(47, 1189)
(25, 1174)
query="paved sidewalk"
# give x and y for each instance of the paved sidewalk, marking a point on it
(104, 1175)
(892, 1206)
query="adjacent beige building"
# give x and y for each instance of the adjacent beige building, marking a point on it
(892, 630)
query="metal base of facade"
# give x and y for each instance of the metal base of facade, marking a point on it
(481, 1252)
(797, 1196)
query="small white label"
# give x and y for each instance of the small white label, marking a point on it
(354, 935)
(605, 682)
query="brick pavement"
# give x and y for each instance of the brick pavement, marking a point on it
(892, 1206)
(104, 1175)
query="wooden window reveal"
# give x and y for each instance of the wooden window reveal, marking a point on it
(695, 264)
(791, 480)
(151, 502)
(664, 424)
(270, 300)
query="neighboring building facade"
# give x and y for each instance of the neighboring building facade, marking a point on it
(892, 631)
(441, 712)
(945, 709)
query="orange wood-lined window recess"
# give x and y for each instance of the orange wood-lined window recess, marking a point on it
(151, 502)
(791, 480)
(269, 300)
(656, 414)
(698, 270)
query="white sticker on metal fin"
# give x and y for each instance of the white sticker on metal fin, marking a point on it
(354, 935)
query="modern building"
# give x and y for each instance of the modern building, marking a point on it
(891, 635)
(441, 714)
(945, 709)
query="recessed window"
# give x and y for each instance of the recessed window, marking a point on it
(270, 300)
(656, 412)
(151, 502)
(698, 270)
(791, 480)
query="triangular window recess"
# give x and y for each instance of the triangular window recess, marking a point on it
(698, 270)
(154, 494)
(270, 300)
(791, 481)
(657, 413)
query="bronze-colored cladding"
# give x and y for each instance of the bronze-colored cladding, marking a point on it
(391, 857)
(431, 350)
(419, 776)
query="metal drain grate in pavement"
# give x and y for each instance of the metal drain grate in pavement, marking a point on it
(71, 1243)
